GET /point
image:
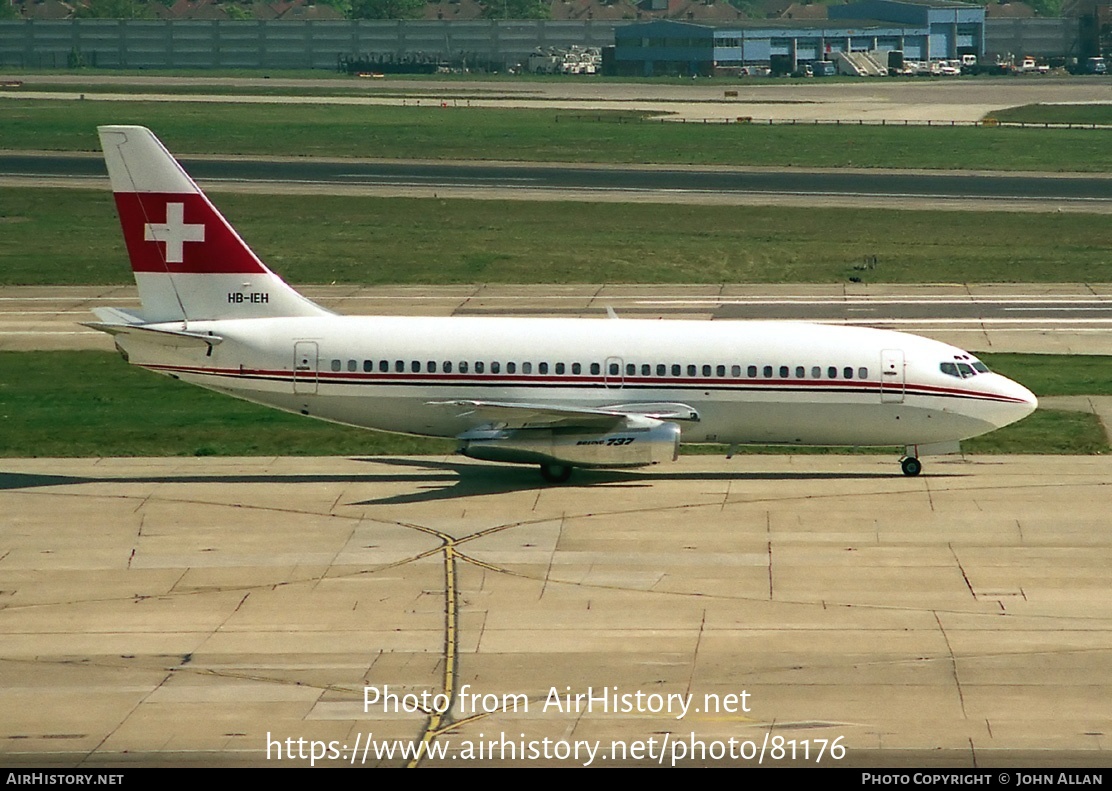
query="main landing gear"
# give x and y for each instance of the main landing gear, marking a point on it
(911, 466)
(556, 473)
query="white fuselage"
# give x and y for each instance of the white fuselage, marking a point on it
(749, 382)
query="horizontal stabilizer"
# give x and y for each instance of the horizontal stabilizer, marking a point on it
(120, 316)
(162, 337)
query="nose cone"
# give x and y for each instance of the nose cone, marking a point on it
(1017, 401)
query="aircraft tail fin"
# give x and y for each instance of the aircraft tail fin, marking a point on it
(188, 261)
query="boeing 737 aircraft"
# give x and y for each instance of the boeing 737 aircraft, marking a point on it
(561, 393)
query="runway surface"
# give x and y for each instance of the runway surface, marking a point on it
(1043, 318)
(996, 190)
(200, 612)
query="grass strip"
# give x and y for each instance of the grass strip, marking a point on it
(430, 131)
(1057, 114)
(72, 237)
(1055, 374)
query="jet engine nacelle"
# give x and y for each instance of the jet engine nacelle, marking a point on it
(648, 442)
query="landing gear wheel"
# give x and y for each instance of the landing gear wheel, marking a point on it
(556, 473)
(911, 466)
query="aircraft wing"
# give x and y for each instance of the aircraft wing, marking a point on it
(510, 414)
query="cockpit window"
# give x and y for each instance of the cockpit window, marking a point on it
(959, 370)
(963, 370)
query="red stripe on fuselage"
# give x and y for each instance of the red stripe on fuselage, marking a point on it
(859, 387)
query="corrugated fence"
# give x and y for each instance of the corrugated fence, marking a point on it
(156, 44)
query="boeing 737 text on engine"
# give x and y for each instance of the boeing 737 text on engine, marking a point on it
(561, 393)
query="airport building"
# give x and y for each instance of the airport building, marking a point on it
(920, 29)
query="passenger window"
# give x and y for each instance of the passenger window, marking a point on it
(399, 366)
(735, 370)
(576, 369)
(527, 368)
(661, 369)
(430, 366)
(832, 372)
(495, 367)
(675, 369)
(768, 371)
(614, 369)
(631, 369)
(720, 370)
(353, 365)
(847, 372)
(463, 367)
(384, 366)
(335, 365)
(595, 369)
(368, 366)
(480, 367)
(560, 368)
(692, 370)
(511, 368)
(646, 370)
(800, 372)
(751, 371)
(816, 372)
(542, 368)
(447, 367)
(862, 373)
(415, 366)
(783, 372)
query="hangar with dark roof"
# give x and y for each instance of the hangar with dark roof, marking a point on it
(922, 30)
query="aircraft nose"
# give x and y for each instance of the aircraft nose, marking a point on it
(1025, 395)
(1023, 401)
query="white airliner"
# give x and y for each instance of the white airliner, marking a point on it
(561, 393)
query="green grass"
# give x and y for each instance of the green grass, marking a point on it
(94, 404)
(72, 237)
(1048, 431)
(432, 132)
(1057, 114)
(67, 404)
(1055, 375)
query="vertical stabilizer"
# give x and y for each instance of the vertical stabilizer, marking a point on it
(189, 263)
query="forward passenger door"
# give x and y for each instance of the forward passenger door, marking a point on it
(892, 376)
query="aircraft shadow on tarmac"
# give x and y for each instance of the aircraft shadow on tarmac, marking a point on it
(446, 480)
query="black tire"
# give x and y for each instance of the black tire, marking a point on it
(556, 473)
(911, 466)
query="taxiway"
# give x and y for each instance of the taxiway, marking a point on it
(1041, 318)
(194, 612)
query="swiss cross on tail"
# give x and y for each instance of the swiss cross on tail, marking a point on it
(174, 232)
(181, 232)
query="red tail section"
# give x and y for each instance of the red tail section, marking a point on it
(181, 232)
